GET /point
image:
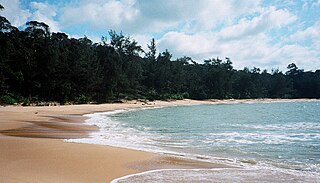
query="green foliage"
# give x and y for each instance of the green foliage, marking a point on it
(185, 95)
(82, 99)
(42, 66)
(176, 96)
(26, 102)
(8, 99)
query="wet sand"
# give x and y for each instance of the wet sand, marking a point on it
(32, 147)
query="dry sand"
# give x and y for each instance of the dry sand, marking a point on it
(32, 149)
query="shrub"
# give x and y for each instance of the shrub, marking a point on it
(8, 99)
(26, 102)
(185, 95)
(82, 99)
(176, 96)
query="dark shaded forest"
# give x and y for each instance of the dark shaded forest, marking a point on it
(37, 65)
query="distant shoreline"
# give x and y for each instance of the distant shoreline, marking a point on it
(266, 100)
(149, 102)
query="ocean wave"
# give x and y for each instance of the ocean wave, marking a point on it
(218, 175)
(244, 145)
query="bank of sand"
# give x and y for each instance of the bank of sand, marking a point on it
(32, 147)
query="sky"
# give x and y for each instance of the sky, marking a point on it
(268, 34)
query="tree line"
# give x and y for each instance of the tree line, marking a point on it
(37, 65)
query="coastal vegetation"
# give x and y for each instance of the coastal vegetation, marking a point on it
(37, 65)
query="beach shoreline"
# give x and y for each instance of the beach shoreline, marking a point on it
(32, 149)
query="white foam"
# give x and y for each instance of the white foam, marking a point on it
(116, 133)
(286, 127)
(218, 175)
(113, 133)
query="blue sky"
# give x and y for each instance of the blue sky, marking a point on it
(268, 34)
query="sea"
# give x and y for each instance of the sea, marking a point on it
(265, 142)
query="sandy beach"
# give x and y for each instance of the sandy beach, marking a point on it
(32, 147)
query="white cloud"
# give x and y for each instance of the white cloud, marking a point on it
(100, 14)
(93, 38)
(143, 40)
(269, 19)
(280, 17)
(186, 15)
(127, 15)
(14, 13)
(253, 51)
(211, 12)
(311, 33)
(143, 16)
(310, 4)
(302, 56)
(197, 46)
(307, 46)
(45, 13)
(246, 42)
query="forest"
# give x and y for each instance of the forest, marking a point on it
(37, 65)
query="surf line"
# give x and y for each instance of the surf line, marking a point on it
(165, 170)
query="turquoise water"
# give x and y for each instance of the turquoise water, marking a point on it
(279, 139)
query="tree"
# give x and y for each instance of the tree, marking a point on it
(185, 60)
(5, 25)
(37, 60)
(37, 29)
(37, 65)
(151, 54)
(293, 69)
